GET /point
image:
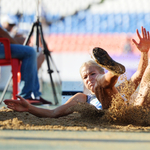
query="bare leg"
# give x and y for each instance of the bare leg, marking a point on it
(105, 61)
(105, 87)
(40, 60)
(143, 97)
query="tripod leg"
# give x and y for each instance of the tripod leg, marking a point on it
(55, 67)
(47, 54)
(37, 38)
(51, 79)
(29, 35)
(5, 89)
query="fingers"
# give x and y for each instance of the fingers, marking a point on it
(144, 33)
(7, 101)
(10, 103)
(11, 107)
(135, 42)
(16, 102)
(148, 35)
(18, 96)
(138, 34)
(21, 98)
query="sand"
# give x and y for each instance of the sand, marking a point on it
(83, 119)
(119, 117)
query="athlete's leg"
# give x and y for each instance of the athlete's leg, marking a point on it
(143, 97)
(105, 87)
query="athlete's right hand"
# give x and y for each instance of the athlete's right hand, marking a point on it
(20, 105)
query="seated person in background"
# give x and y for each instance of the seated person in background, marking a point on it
(29, 83)
(100, 84)
(9, 23)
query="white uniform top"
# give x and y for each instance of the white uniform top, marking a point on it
(92, 99)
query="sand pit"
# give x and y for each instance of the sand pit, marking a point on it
(83, 119)
(119, 117)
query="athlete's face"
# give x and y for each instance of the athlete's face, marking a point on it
(89, 75)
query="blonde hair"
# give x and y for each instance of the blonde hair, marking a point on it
(94, 64)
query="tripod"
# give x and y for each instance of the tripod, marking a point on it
(47, 53)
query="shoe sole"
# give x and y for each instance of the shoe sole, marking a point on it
(34, 102)
(45, 101)
(104, 60)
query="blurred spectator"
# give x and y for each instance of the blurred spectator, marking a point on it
(45, 25)
(127, 49)
(10, 23)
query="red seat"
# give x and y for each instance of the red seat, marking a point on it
(15, 65)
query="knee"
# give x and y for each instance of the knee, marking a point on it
(31, 52)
